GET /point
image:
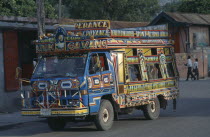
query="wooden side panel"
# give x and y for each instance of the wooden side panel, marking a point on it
(27, 70)
(183, 38)
(10, 60)
(177, 42)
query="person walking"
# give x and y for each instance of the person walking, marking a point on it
(189, 66)
(195, 69)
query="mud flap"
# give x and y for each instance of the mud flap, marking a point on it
(174, 105)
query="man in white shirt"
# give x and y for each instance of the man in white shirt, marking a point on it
(195, 69)
(189, 66)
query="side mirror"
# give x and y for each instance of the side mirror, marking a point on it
(34, 63)
(35, 60)
(18, 73)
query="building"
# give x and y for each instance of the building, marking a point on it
(190, 32)
(16, 50)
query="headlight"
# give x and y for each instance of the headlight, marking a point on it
(66, 84)
(42, 85)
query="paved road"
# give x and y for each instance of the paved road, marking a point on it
(192, 119)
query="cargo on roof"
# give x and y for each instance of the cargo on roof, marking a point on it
(96, 34)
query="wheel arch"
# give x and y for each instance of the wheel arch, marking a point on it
(116, 106)
(163, 101)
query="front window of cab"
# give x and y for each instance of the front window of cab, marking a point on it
(60, 67)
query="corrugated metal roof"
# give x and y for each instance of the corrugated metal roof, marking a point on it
(126, 24)
(26, 19)
(65, 21)
(191, 18)
(114, 24)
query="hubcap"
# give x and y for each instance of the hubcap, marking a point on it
(105, 115)
(153, 106)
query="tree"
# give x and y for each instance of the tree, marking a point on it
(18, 8)
(192, 6)
(40, 17)
(127, 10)
(195, 6)
(24, 8)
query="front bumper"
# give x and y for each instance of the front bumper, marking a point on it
(55, 112)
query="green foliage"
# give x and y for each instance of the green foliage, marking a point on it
(50, 11)
(128, 10)
(171, 7)
(189, 6)
(24, 8)
(17, 7)
(195, 6)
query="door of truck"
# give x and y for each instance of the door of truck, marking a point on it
(100, 78)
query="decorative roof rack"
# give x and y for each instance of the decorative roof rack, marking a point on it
(97, 34)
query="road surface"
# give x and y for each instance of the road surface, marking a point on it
(192, 119)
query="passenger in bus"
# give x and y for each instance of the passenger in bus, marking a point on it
(133, 73)
(152, 71)
(94, 65)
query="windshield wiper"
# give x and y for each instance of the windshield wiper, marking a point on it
(38, 77)
(57, 75)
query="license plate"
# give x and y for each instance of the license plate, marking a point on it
(45, 112)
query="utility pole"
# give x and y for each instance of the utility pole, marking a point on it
(59, 9)
(40, 18)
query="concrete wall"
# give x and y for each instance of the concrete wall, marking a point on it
(9, 101)
(181, 59)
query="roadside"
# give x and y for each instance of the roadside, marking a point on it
(15, 118)
(183, 79)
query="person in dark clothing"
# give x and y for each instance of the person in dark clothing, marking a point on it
(189, 66)
(195, 69)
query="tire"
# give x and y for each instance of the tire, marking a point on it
(56, 124)
(104, 118)
(152, 111)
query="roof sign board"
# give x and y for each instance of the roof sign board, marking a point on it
(93, 24)
(98, 35)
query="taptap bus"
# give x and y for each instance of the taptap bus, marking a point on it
(95, 73)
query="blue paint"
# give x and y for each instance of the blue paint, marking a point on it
(95, 93)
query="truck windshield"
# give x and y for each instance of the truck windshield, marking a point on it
(60, 67)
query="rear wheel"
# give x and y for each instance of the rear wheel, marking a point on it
(104, 118)
(152, 110)
(56, 124)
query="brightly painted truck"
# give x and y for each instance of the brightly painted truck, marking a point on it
(95, 73)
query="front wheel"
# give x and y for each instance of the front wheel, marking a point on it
(152, 110)
(104, 118)
(56, 124)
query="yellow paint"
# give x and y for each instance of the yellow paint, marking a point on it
(167, 51)
(92, 24)
(30, 112)
(129, 52)
(147, 51)
(122, 49)
(120, 59)
(162, 85)
(56, 112)
(70, 112)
